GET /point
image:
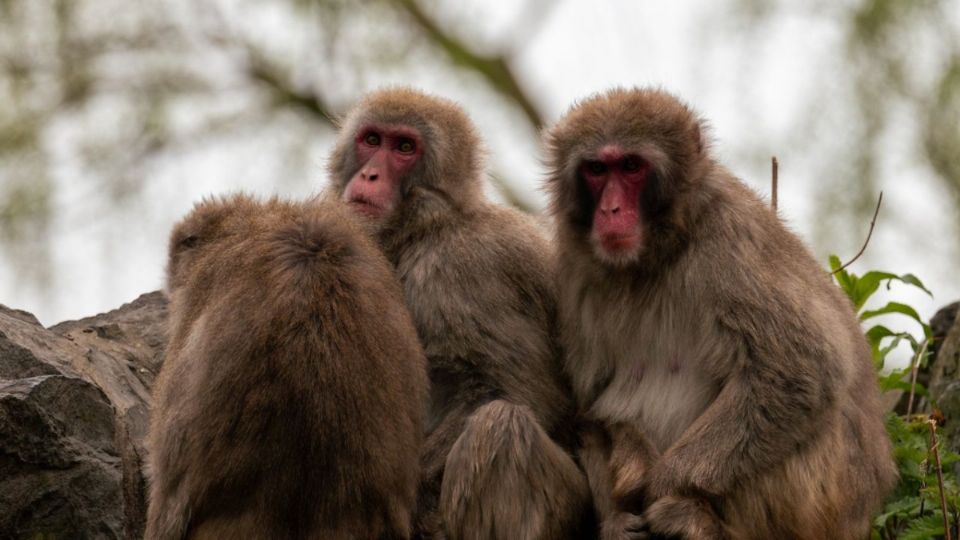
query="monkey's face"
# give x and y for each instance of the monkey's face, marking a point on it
(404, 157)
(615, 180)
(621, 163)
(385, 154)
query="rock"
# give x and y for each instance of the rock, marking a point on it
(944, 370)
(933, 373)
(945, 364)
(60, 471)
(74, 408)
(940, 325)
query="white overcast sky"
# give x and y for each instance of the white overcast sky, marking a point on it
(753, 102)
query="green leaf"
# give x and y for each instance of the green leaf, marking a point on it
(868, 284)
(844, 279)
(896, 307)
(898, 380)
(834, 262)
(878, 332)
(904, 386)
(897, 338)
(925, 528)
(911, 279)
(902, 508)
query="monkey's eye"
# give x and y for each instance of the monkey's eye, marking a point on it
(189, 241)
(631, 164)
(406, 146)
(595, 167)
(372, 139)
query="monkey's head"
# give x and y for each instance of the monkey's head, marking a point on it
(621, 164)
(401, 152)
(216, 230)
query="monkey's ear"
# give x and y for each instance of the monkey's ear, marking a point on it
(205, 220)
(187, 240)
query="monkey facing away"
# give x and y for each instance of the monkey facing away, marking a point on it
(727, 388)
(290, 404)
(478, 283)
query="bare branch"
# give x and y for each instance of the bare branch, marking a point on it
(773, 181)
(935, 449)
(867, 241)
(495, 69)
(915, 368)
(284, 91)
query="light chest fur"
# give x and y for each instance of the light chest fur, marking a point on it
(641, 356)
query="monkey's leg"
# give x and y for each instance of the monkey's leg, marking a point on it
(616, 459)
(684, 518)
(506, 479)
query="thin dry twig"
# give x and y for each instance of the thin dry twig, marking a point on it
(283, 90)
(495, 69)
(873, 222)
(773, 188)
(915, 368)
(935, 448)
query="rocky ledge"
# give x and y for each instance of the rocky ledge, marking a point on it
(74, 402)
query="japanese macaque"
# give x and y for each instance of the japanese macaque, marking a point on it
(479, 285)
(290, 404)
(726, 387)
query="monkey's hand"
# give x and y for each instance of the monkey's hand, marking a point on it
(678, 473)
(631, 459)
(623, 526)
(686, 518)
(665, 478)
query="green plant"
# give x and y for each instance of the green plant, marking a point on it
(916, 508)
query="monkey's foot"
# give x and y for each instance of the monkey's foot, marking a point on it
(624, 526)
(684, 518)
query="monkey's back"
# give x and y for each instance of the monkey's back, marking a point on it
(788, 308)
(291, 402)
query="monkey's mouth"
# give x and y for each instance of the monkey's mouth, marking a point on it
(617, 243)
(365, 207)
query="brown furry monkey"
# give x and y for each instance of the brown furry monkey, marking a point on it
(703, 338)
(290, 404)
(478, 283)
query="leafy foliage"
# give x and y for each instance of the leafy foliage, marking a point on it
(913, 510)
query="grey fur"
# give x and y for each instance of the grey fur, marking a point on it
(290, 403)
(478, 283)
(721, 340)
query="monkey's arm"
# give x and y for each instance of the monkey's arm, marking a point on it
(782, 382)
(433, 459)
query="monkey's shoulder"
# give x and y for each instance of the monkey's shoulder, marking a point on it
(483, 245)
(764, 286)
(489, 271)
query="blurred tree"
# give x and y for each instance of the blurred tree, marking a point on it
(96, 96)
(898, 73)
(125, 71)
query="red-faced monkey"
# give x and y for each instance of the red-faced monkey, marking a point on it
(478, 283)
(290, 403)
(702, 338)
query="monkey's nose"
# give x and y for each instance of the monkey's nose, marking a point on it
(614, 210)
(371, 176)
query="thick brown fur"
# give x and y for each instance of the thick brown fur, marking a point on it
(722, 342)
(290, 403)
(478, 283)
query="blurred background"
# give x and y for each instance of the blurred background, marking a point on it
(117, 115)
